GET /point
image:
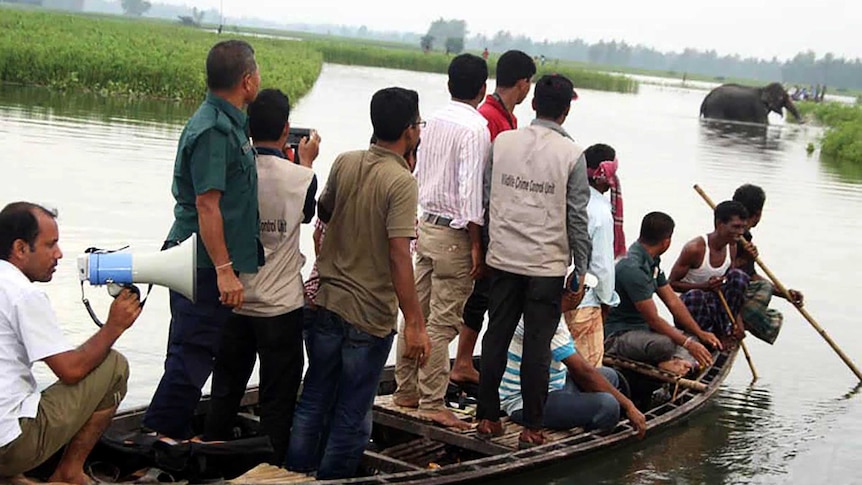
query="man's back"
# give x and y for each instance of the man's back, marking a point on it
(372, 197)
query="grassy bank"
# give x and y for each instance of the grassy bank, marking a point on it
(115, 55)
(842, 141)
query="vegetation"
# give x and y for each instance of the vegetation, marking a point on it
(842, 142)
(113, 55)
(135, 8)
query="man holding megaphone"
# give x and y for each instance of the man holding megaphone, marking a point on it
(76, 410)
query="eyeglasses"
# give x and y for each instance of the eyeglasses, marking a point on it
(420, 124)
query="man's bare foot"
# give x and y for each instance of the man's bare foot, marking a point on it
(678, 367)
(73, 479)
(464, 374)
(19, 480)
(406, 402)
(446, 418)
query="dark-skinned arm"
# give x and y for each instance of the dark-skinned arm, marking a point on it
(690, 257)
(74, 365)
(211, 226)
(477, 255)
(659, 325)
(418, 345)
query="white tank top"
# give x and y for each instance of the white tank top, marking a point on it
(705, 271)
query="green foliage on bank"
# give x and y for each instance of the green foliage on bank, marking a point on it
(112, 55)
(842, 141)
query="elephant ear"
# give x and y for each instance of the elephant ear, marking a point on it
(773, 96)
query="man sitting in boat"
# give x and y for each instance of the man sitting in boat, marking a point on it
(634, 329)
(704, 273)
(92, 378)
(583, 397)
(763, 322)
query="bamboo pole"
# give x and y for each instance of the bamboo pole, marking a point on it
(654, 372)
(784, 291)
(741, 343)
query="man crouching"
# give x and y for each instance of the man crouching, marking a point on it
(75, 411)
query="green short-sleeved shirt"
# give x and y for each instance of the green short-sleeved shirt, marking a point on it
(372, 197)
(215, 153)
(638, 276)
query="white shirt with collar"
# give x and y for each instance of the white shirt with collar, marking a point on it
(450, 164)
(29, 332)
(601, 230)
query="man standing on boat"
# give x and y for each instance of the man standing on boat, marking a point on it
(449, 256)
(514, 73)
(215, 188)
(538, 224)
(269, 324)
(586, 321)
(704, 274)
(369, 205)
(763, 322)
(634, 329)
(76, 410)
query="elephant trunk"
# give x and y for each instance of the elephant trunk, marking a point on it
(792, 108)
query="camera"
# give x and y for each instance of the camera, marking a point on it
(293, 138)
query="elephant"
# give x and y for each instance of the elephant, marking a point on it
(733, 102)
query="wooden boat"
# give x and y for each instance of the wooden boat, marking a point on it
(408, 449)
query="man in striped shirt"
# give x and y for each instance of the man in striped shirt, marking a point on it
(449, 170)
(579, 395)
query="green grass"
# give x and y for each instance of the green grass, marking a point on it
(115, 55)
(842, 142)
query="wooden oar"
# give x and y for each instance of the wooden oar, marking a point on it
(741, 343)
(653, 372)
(784, 291)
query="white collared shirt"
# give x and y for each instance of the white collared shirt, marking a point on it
(29, 332)
(601, 230)
(450, 164)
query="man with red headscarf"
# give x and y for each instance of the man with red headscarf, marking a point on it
(586, 321)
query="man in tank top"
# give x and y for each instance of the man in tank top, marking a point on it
(704, 271)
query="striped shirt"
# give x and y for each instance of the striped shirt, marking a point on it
(562, 347)
(450, 164)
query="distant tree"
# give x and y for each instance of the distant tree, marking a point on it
(426, 42)
(454, 31)
(198, 15)
(454, 45)
(135, 8)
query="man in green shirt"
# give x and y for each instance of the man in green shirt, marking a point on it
(634, 329)
(215, 188)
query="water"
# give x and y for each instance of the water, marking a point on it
(106, 165)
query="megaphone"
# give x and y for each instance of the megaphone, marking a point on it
(174, 268)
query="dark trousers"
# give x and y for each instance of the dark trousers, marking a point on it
(193, 342)
(278, 341)
(477, 304)
(538, 300)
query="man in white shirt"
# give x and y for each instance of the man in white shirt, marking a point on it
(585, 322)
(75, 411)
(449, 256)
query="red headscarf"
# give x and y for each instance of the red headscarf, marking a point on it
(607, 171)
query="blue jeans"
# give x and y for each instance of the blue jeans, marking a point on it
(571, 407)
(344, 368)
(193, 341)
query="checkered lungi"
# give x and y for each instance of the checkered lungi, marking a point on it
(706, 307)
(763, 322)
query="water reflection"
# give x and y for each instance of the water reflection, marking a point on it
(725, 133)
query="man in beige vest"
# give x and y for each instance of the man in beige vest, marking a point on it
(269, 324)
(538, 224)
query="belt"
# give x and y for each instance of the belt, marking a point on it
(437, 220)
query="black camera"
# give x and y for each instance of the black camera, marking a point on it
(293, 138)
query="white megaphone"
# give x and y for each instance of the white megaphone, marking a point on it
(174, 268)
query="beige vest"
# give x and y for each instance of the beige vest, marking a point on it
(277, 286)
(529, 177)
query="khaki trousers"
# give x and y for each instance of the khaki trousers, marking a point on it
(588, 331)
(63, 411)
(443, 283)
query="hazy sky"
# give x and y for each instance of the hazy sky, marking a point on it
(749, 27)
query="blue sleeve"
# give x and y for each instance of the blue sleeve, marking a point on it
(310, 203)
(562, 345)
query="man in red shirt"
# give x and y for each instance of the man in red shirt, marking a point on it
(514, 71)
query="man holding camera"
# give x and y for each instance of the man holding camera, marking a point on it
(76, 410)
(269, 323)
(215, 188)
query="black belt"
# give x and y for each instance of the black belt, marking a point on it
(438, 220)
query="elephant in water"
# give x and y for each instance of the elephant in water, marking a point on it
(733, 102)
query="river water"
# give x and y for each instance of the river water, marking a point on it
(106, 165)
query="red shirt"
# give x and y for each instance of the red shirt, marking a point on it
(499, 119)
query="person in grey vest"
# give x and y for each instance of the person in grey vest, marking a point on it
(537, 203)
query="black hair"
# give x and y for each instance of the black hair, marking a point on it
(18, 221)
(726, 210)
(599, 153)
(513, 66)
(227, 62)
(553, 96)
(268, 114)
(752, 197)
(655, 228)
(467, 76)
(393, 110)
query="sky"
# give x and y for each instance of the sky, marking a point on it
(758, 28)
